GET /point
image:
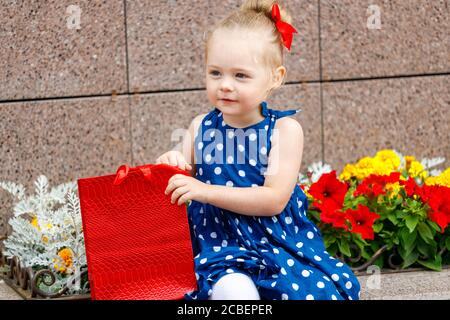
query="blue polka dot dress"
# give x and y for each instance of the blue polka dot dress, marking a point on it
(283, 254)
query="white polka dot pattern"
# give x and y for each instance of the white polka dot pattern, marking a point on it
(283, 252)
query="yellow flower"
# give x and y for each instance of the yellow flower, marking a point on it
(66, 257)
(416, 169)
(384, 163)
(386, 154)
(380, 199)
(35, 223)
(347, 173)
(382, 168)
(432, 181)
(393, 189)
(363, 168)
(441, 180)
(365, 165)
(408, 161)
(389, 158)
(307, 193)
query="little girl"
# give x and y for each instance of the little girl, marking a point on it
(250, 234)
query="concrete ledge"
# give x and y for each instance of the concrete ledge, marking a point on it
(6, 293)
(415, 285)
(406, 285)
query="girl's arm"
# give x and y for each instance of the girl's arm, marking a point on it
(187, 145)
(282, 175)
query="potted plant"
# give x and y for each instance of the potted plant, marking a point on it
(44, 256)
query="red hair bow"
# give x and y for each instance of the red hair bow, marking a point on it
(286, 30)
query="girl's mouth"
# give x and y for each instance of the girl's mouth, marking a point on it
(228, 100)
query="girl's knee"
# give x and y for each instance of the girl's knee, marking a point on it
(235, 286)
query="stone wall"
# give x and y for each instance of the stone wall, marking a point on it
(79, 97)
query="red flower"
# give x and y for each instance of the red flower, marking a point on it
(330, 213)
(440, 218)
(370, 189)
(425, 192)
(438, 198)
(362, 221)
(373, 185)
(329, 188)
(411, 187)
(392, 178)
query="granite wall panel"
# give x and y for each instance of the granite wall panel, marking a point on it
(409, 115)
(61, 48)
(412, 38)
(62, 139)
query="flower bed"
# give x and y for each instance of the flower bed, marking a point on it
(387, 211)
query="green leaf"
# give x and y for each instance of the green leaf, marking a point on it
(359, 244)
(377, 227)
(333, 249)
(374, 246)
(422, 213)
(380, 261)
(402, 213)
(410, 259)
(447, 243)
(408, 239)
(329, 240)
(344, 247)
(392, 217)
(314, 214)
(433, 264)
(425, 232)
(427, 250)
(434, 225)
(358, 240)
(402, 252)
(398, 201)
(411, 222)
(365, 254)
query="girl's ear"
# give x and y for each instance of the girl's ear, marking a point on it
(278, 76)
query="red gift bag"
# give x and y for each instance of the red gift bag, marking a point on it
(137, 243)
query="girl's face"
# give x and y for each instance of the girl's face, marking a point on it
(236, 78)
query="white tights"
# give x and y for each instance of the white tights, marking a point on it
(234, 286)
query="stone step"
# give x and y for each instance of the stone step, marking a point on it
(6, 293)
(409, 285)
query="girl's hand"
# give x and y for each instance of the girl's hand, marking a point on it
(186, 188)
(174, 158)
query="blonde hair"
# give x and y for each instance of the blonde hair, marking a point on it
(256, 15)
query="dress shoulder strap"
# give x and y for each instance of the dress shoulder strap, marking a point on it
(214, 113)
(283, 113)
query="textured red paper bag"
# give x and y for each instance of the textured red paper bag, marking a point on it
(137, 243)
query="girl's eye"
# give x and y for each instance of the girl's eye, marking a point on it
(214, 73)
(241, 75)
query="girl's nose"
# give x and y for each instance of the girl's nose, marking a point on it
(226, 85)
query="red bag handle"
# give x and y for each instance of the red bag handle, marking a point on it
(123, 170)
